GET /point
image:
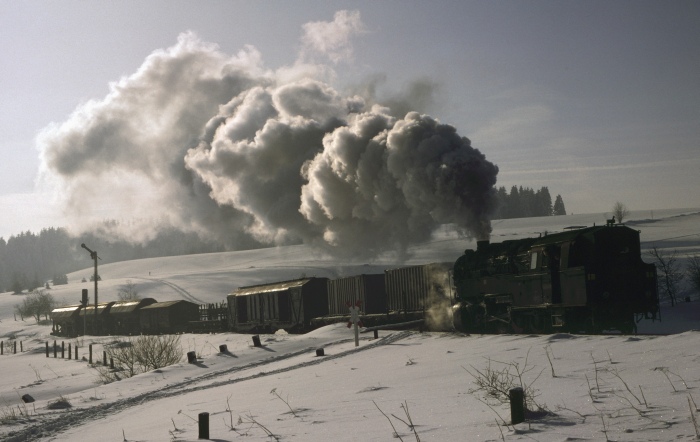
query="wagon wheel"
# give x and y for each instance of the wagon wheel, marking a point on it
(536, 324)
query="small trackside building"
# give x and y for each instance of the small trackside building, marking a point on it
(288, 305)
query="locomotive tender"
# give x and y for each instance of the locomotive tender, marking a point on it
(583, 280)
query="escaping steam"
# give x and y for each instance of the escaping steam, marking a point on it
(220, 145)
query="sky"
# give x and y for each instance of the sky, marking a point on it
(598, 101)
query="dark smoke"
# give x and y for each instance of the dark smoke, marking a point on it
(222, 146)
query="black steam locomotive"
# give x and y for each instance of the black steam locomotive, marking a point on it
(581, 280)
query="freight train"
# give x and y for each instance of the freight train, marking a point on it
(581, 280)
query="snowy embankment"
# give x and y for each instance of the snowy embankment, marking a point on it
(621, 387)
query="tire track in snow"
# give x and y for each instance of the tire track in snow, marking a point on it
(55, 424)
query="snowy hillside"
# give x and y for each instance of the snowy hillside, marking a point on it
(592, 387)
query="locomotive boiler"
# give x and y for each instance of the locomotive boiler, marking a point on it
(581, 280)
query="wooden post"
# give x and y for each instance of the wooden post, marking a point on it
(376, 334)
(47, 349)
(14, 348)
(256, 341)
(76, 352)
(90, 347)
(2, 347)
(191, 357)
(111, 363)
(517, 405)
(63, 350)
(55, 349)
(204, 425)
(70, 351)
(104, 358)
(319, 352)
(21, 346)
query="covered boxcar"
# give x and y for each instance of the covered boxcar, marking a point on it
(368, 289)
(168, 317)
(417, 288)
(67, 321)
(96, 322)
(288, 305)
(123, 317)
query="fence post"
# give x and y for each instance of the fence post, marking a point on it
(47, 349)
(517, 405)
(55, 349)
(90, 354)
(2, 347)
(70, 351)
(204, 425)
(256, 341)
(104, 358)
(21, 346)
(76, 352)
(14, 348)
(63, 350)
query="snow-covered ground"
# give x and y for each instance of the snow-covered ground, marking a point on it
(625, 388)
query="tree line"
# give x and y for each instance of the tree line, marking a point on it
(28, 260)
(524, 202)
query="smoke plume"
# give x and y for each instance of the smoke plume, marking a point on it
(223, 146)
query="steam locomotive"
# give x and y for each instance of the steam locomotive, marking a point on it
(581, 280)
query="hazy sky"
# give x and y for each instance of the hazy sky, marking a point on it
(598, 100)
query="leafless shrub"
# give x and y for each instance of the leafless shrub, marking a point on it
(497, 382)
(693, 272)
(670, 276)
(141, 354)
(59, 404)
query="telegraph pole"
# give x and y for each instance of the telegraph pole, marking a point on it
(94, 256)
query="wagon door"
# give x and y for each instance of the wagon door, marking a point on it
(285, 311)
(296, 304)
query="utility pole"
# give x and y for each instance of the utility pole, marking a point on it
(94, 256)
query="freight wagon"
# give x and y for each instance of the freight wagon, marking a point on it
(288, 305)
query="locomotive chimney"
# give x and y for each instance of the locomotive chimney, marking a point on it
(482, 245)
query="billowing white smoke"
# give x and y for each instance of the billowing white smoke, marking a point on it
(219, 145)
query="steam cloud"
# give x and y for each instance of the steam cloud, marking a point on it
(202, 141)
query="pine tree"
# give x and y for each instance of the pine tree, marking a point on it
(559, 208)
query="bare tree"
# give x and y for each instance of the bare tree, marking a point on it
(670, 275)
(620, 211)
(128, 292)
(694, 272)
(36, 304)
